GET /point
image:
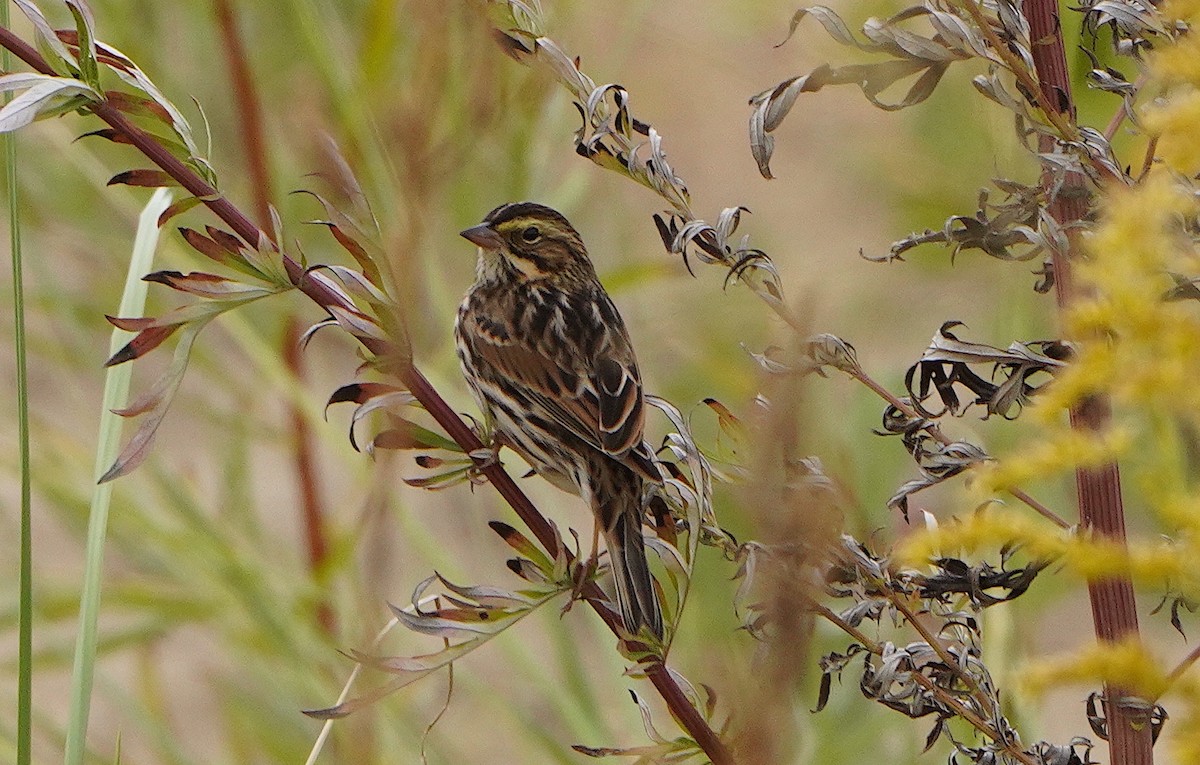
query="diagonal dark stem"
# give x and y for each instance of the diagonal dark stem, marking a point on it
(395, 360)
(1114, 608)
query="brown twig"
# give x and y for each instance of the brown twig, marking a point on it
(312, 514)
(898, 600)
(1044, 97)
(1184, 665)
(395, 360)
(1148, 160)
(1114, 608)
(249, 108)
(1120, 115)
(977, 722)
(945, 440)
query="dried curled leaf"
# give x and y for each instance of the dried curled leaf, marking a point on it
(1178, 603)
(1097, 714)
(1135, 25)
(1017, 229)
(820, 352)
(613, 138)
(712, 244)
(947, 680)
(956, 577)
(911, 54)
(828, 350)
(946, 364)
(937, 462)
(1109, 80)
(681, 509)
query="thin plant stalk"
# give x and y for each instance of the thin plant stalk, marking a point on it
(25, 614)
(254, 144)
(327, 728)
(116, 395)
(1114, 608)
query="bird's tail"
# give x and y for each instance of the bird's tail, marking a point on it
(635, 588)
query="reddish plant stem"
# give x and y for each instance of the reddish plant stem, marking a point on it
(249, 108)
(1114, 608)
(396, 361)
(312, 515)
(250, 124)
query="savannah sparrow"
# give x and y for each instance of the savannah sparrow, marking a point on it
(549, 361)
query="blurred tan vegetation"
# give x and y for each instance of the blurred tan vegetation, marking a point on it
(210, 638)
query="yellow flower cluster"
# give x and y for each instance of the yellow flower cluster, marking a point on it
(1176, 68)
(1125, 665)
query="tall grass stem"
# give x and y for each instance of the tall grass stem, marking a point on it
(108, 442)
(25, 618)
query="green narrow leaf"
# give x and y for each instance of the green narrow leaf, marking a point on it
(116, 393)
(178, 208)
(85, 28)
(25, 607)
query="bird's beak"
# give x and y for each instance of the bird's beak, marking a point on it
(483, 235)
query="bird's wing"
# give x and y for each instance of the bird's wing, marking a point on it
(618, 390)
(598, 400)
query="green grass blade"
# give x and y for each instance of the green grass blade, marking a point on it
(116, 395)
(25, 618)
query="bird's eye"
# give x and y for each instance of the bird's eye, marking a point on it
(531, 234)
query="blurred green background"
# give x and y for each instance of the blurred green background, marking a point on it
(209, 629)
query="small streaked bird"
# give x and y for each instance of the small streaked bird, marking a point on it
(549, 361)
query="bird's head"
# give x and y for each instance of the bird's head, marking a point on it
(529, 242)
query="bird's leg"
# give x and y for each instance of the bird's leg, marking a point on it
(488, 454)
(581, 572)
(586, 569)
(594, 561)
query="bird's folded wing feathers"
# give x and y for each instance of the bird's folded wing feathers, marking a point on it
(602, 405)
